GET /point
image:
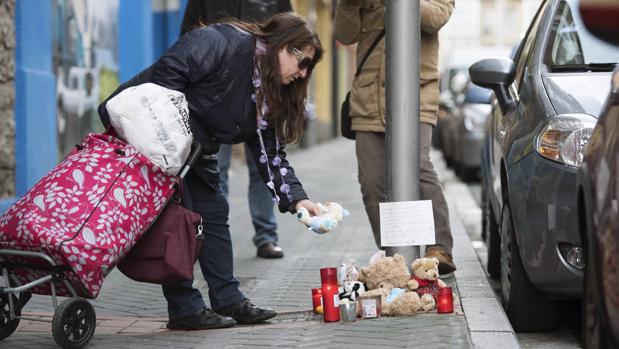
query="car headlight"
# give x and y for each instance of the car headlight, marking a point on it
(564, 138)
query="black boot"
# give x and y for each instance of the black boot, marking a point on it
(244, 312)
(205, 319)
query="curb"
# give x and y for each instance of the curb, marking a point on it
(488, 324)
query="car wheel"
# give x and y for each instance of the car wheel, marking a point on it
(527, 308)
(493, 240)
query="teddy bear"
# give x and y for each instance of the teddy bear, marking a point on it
(425, 281)
(391, 270)
(407, 303)
(395, 301)
(330, 214)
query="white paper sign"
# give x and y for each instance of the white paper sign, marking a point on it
(406, 223)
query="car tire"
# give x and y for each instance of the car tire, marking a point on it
(528, 309)
(493, 240)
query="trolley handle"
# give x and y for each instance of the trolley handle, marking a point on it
(196, 150)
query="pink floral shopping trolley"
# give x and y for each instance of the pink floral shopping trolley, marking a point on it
(73, 227)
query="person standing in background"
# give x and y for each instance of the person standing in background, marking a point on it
(259, 198)
(361, 22)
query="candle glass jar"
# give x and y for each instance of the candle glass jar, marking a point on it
(317, 300)
(445, 301)
(330, 295)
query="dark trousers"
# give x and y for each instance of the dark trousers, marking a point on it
(259, 196)
(370, 149)
(216, 260)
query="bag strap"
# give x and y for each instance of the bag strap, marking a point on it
(367, 54)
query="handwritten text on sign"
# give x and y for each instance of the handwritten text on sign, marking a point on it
(406, 223)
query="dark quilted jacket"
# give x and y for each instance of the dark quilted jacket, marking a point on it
(213, 67)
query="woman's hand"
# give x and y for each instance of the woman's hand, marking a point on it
(311, 207)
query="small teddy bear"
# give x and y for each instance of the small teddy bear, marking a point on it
(330, 214)
(425, 281)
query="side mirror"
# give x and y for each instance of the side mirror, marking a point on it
(496, 74)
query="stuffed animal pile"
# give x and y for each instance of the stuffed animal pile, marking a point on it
(402, 294)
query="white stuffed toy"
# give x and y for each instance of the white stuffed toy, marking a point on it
(330, 214)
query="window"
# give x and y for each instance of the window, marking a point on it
(570, 46)
(564, 46)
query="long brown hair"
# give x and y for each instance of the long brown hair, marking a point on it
(286, 103)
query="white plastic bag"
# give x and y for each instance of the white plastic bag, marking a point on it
(155, 120)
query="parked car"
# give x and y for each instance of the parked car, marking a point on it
(598, 213)
(547, 101)
(463, 109)
(598, 195)
(465, 129)
(454, 84)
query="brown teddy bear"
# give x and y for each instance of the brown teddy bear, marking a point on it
(404, 303)
(425, 281)
(407, 303)
(391, 270)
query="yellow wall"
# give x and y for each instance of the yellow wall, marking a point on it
(319, 14)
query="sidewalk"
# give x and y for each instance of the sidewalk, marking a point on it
(133, 315)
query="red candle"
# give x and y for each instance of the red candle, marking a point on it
(316, 299)
(330, 296)
(445, 301)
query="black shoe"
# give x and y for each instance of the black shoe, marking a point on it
(270, 250)
(205, 319)
(244, 312)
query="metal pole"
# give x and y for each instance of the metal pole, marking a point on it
(402, 35)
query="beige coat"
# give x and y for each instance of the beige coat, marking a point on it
(360, 21)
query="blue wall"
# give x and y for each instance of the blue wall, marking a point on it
(144, 35)
(35, 91)
(135, 30)
(146, 31)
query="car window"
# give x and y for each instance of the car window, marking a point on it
(569, 43)
(522, 55)
(564, 45)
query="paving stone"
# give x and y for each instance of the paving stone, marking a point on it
(285, 284)
(493, 340)
(485, 314)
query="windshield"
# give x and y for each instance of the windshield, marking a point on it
(569, 43)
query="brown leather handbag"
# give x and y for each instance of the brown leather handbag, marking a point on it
(166, 254)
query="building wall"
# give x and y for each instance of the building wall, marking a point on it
(7, 99)
(321, 90)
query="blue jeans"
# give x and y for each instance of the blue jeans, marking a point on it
(259, 197)
(215, 259)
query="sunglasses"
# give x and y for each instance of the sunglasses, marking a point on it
(304, 62)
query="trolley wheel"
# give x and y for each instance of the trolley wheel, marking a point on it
(74, 323)
(8, 326)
